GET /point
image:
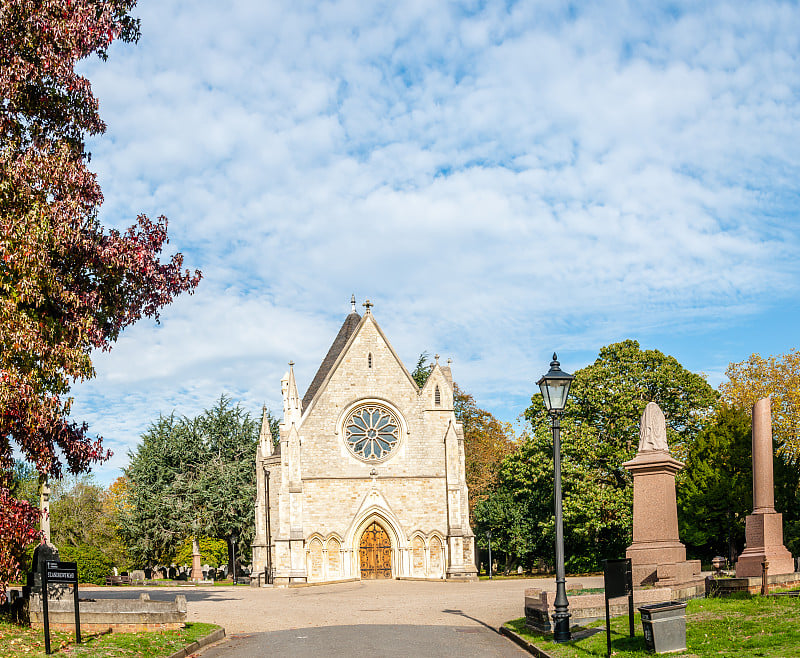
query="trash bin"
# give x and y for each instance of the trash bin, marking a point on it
(664, 626)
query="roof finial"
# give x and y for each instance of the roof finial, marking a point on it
(436, 356)
(353, 303)
(449, 361)
(368, 305)
(291, 364)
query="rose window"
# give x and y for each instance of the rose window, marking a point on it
(372, 432)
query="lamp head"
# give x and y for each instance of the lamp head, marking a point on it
(555, 386)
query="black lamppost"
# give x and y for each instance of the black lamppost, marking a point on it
(233, 543)
(555, 388)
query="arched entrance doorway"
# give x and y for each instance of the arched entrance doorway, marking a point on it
(375, 553)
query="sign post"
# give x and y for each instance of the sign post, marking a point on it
(617, 581)
(65, 573)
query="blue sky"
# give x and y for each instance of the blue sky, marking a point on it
(501, 179)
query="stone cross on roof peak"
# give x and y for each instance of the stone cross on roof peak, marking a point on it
(368, 305)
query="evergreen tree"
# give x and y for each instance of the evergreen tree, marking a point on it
(192, 477)
(715, 490)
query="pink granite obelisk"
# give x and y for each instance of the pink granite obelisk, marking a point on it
(764, 527)
(657, 554)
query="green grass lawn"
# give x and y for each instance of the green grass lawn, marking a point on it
(16, 641)
(754, 626)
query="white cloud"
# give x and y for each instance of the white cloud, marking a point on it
(499, 180)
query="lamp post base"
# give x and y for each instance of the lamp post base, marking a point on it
(561, 632)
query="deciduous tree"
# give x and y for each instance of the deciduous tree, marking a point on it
(600, 431)
(82, 516)
(67, 285)
(777, 377)
(487, 441)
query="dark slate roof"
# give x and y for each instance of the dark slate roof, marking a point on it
(349, 326)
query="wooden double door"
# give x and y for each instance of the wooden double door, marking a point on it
(375, 553)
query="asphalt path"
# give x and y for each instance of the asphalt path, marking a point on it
(377, 640)
(371, 618)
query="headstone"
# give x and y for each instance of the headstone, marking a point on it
(197, 571)
(42, 554)
(137, 575)
(657, 554)
(148, 573)
(764, 527)
(172, 573)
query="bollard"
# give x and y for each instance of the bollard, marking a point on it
(764, 581)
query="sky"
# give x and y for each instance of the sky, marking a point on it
(501, 179)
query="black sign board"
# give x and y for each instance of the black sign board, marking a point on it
(64, 573)
(618, 582)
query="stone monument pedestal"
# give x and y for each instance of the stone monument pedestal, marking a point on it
(657, 554)
(764, 540)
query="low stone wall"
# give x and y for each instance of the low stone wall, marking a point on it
(119, 615)
(584, 608)
(728, 586)
(693, 589)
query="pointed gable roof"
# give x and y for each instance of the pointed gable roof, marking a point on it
(351, 322)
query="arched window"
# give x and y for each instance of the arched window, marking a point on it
(436, 557)
(334, 558)
(418, 557)
(369, 360)
(437, 397)
(315, 559)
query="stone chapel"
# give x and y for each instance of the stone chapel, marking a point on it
(367, 480)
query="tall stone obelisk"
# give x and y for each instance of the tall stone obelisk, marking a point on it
(657, 554)
(764, 527)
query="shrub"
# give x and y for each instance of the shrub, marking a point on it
(93, 566)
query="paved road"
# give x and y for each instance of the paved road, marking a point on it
(380, 618)
(379, 640)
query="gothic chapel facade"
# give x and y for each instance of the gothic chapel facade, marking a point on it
(367, 480)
